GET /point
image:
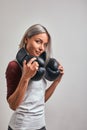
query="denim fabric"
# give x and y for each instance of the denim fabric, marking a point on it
(43, 128)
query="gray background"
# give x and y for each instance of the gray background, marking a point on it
(66, 21)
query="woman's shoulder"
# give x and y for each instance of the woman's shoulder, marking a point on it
(13, 66)
(13, 63)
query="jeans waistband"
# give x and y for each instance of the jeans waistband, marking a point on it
(43, 128)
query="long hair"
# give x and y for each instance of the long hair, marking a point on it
(34, 30)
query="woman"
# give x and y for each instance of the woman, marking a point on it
(25, 96)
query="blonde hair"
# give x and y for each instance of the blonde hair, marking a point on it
(34, 30)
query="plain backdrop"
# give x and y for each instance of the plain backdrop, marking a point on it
(66, 21)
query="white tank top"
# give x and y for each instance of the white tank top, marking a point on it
(30, 114)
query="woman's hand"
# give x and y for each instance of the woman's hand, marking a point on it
(30, 68)
(55, 83)
(61, 69)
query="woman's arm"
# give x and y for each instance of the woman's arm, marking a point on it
(53, 86)
(16, 98)
(29, 70)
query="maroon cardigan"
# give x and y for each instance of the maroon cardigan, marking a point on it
(13, 75)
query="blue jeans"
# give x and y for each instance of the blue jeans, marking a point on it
(43, 128)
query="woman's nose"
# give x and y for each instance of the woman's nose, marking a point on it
(41, 48)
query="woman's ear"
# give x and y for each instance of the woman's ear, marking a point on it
(25, 40)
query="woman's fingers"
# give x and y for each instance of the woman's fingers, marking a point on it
(60, 67)
(31, 61)
(33, 64)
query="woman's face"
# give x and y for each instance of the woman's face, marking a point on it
(37, 44)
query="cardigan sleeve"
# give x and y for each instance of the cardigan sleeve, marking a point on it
(13, 75)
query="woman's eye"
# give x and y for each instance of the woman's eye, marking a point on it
(38, 41)
(45, 45)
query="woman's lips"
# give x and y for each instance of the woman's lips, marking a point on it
(38, 53)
